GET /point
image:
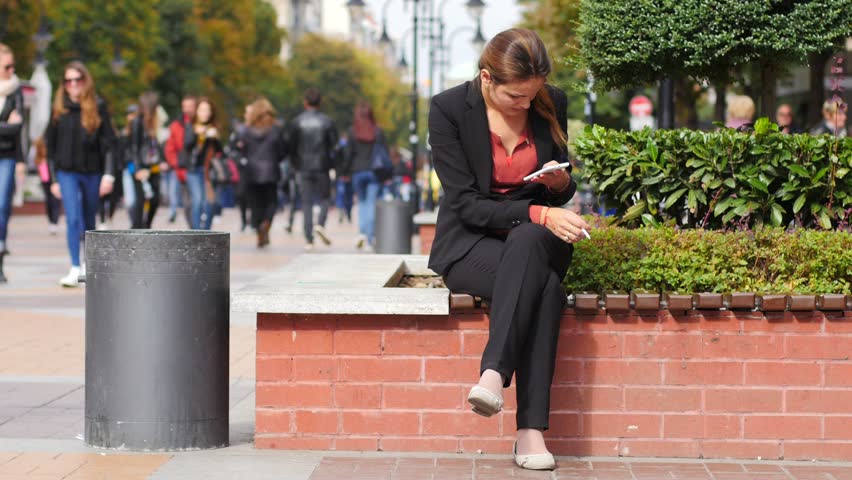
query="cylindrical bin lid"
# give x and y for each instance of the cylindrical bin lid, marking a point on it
(157, 327)
(393, 226)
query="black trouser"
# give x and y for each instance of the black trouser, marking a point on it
(51, 204)
(522, 278)
(316, 188)
(263, 200)
(138, 217)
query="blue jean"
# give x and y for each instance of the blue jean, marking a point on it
(80, 199)
(343, 200)
(7, 189)
(172, 191)
(129, 192)
(201, 212)
(367, 187)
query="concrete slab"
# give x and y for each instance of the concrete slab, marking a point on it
(343, 284)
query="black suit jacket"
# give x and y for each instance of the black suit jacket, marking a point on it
(461, 152)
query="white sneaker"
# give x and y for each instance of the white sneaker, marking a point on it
(103, 226)
(309, 247)
(53, 229)
(72, 279)
(320, 232)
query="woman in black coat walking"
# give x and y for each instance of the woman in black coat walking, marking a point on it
(264, 148)
(146, 161)
(80, 142)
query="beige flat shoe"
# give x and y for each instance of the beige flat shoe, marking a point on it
(538, 461)
(484, 402)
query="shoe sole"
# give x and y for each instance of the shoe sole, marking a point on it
(481, 405)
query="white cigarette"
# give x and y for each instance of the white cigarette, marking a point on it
(586, 234)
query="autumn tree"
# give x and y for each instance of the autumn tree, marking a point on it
(98, 33)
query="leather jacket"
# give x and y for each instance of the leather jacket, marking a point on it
(10, 134)
(313, 139)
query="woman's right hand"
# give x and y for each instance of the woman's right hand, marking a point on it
(566, 224)
(55, 190)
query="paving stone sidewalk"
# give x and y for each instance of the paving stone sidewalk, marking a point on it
(42, 376)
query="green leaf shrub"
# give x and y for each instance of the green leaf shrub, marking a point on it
(764, 260)
(720, 179)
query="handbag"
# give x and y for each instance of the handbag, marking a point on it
(219, 173)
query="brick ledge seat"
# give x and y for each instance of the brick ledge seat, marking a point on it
(694, 383)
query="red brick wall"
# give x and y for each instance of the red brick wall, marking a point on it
(713, 384)
(427, 236)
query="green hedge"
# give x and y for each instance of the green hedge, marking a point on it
(742, 179)
(764, 260)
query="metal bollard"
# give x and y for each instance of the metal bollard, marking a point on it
(393, 226)
(157, 336)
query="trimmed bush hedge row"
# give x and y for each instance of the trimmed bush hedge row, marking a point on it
(763, 260)
(722, 178)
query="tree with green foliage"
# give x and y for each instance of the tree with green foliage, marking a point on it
(178, 54)
(18, 22)
(95, 32)
(629, 43)
(556, 22)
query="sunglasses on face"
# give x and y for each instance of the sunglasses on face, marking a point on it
(75, 80)
(9, 67)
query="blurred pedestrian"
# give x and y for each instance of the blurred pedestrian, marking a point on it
(365, 137)
(740, 113)
(833, 119)
(344, 194)
(235, 151)
(146, 161)
(51, 203)
(80, 139)
(312, 141)
(122, 157)
(201, 144)
(264, 148)
(11, 151)
(784, 119)
(177, 157)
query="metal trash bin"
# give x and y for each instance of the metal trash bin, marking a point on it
(157, 336)
(393, 226)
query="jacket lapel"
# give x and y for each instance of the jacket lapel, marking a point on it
(476, 124)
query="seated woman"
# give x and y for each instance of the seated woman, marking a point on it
(503, 238)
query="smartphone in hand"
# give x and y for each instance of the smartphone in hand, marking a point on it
(548, 169)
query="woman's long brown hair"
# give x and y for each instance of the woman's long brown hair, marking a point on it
(148, 103)
(89, 115)
(518, 54)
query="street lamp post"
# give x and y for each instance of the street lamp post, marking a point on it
(475, 9)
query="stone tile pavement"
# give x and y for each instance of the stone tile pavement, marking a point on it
(42, 375)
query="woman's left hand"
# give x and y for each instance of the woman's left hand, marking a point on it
(556, 180)
(106, 186)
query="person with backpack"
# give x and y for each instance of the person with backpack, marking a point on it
(363, 162)
(146, 161)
